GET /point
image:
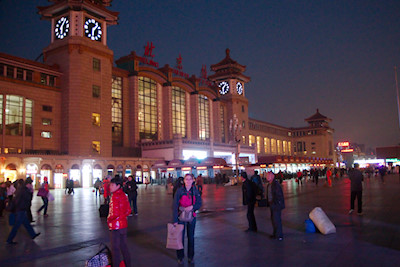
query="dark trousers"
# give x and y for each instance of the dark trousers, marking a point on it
(189, 227)
(44, 206)
(132, 202)
(29, 214)
(250, 217)
(276, 222)
(118, 244)
(355, 194)
(21, 218)
(2, 206)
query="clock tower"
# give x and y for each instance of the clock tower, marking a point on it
(231, 82)
(79, 47)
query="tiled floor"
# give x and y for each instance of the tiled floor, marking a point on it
(73, 231)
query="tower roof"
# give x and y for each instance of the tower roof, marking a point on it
(317, 117)
(92, 6)
(228, 68)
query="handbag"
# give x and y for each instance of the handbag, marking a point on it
(42, 192)
(186, 216)
(101, 259)
(174, 237)
(50, 196)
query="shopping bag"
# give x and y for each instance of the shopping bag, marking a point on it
(50, 196)
(174, 238)
(42, 192)
(321, 221)
(101, 259)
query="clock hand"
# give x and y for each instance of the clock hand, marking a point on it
(94, 28)
(62, 27)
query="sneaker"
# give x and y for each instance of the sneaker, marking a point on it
(180, 261)
(351, 211)
(45, 215)
(359, 213)
(130, 215)
(280, 238)
(136, 214)
(190, 261)
(38, 234)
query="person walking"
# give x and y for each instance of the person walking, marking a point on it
(186, 198)
(356, 178)
(131, 190)
(97, 186)
(28, 184)
(199, 183)
(45, 199)
(299, 177)
(3, 198)
(106, 189)
(316, 176)
(256, 179)
(276, 203)
(382, 172)
(329, 177)
(118, 222)
(22, 201)
(249, 198)
(10, 190)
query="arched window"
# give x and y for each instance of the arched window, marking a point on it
(204, 118)
(178, 111)
(147, 108)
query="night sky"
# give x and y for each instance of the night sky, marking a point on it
(338, 56)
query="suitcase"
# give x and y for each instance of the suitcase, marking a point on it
(103, 210)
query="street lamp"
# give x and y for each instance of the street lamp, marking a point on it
(236, 130)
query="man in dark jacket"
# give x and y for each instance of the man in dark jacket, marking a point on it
(131, 190)
(356, 178)
(276, 203)
(249, 198)
(256, 179)
(22, 202)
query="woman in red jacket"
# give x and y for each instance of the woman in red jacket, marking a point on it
(118, 222)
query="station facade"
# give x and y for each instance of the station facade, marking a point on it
(82, 115)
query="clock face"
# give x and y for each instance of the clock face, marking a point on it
(62, 28)
(224, 88)
(239, 88)
(92, 29)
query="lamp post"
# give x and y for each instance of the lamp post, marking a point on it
(236, 129)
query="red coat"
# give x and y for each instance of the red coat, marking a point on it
(119, 211)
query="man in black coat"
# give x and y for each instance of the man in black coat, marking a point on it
(249, 198)
(356, 178)
(22, 202)
(131, 190)
(276, 203)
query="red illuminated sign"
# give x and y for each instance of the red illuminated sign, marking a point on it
(179, 62)
(343, 144)
(347, 150)
(148, 50)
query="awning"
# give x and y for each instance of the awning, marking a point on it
(210, 161)
(175, 163)
(191, 163)
(160, 164)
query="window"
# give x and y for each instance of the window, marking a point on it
(46, 121)
(10, 71)
(243, 108)
(43, 78)
(96, 147)
(243, 124)
(244, 139)
(284, 147)
(178, 111)
(29, 75)
(20, 74)
(96, 64)
(96, 119)
(279, 146)
(258, 141)
(147, 109)
(273, 146)
(45, 134)
(14, 114)
(267, 145)
(52, 80)
(116, 110)
(290, 148)
(2, 68)
(251, 140)
(222, 122)
(28, 117)
(96, 91)
(47, 108)
(204, 118)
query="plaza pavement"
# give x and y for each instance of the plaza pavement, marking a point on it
(72, 231)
